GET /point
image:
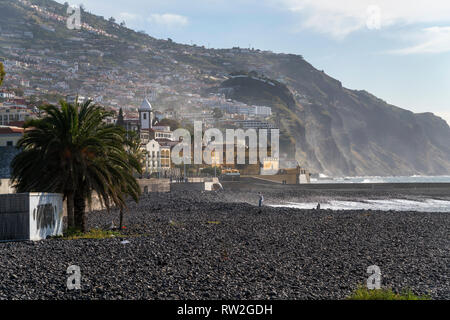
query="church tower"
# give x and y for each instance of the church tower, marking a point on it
(145, 115)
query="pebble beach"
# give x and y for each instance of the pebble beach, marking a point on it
(221, 245)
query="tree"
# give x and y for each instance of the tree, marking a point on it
(135, 154)
(173, 124)
(213, 171)
(217, 113)
(18, 92)
(120, 120)
(2, 73)
(74, 152)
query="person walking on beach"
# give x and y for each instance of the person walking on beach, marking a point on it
(261, 199)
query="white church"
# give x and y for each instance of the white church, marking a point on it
(157, 141)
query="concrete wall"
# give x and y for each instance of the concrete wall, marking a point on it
(146, 185)
(209, 183)
(154, 185)
(30, 216)
(46, 215)
(195, 184)
(188, 186)
(250, 184)
(304, 178)
(278, 178)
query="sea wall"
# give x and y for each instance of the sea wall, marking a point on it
(154, 185)
(252, 184)
(187, 186)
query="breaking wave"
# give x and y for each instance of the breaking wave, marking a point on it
(428, 205)
(378, 179)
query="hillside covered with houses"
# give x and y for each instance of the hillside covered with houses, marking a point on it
(323, 126)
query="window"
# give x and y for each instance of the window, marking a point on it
(9, 143)
(144, 115)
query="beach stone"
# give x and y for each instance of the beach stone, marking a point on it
(275, 253)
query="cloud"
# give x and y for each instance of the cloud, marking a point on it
(373, 21)
(342, 17)
(168, 20)
(428, 40)
(444, 115)
(128, 16)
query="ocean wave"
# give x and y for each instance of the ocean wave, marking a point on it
(425, 205)
(387, 179)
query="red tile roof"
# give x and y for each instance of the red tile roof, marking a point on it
(11, 130)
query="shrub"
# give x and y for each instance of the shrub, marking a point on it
(362, 293)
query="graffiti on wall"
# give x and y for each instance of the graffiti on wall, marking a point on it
(44, 215)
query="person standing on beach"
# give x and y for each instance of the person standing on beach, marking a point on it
(261, 199)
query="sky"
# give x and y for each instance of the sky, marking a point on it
(398, 50)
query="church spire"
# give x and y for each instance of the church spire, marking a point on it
(145, 115)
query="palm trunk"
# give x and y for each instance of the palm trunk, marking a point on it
(121, 220)
(70, 211)
(80, 212)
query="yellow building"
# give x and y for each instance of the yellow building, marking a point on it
(270, 166)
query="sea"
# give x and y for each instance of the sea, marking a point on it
(422, 205)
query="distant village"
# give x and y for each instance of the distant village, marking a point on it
(76, 72)
(157, 141)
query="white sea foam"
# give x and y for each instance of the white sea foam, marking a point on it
(377, 179)
(428, 205)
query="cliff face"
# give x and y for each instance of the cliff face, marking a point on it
(343, 132)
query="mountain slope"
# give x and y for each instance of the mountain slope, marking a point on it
(354, 133)
(327, 127)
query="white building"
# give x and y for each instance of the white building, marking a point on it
(157, 157)
(162, 132)
(255, 124)
(7, 95)
(152, 157)
(263, 111)
(13, 114)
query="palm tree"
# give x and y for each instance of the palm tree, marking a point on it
(72, 151)
(2, 73)
(136, 157)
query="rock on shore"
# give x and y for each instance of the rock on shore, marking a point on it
(202, 246)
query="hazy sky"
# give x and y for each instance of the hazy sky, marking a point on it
(398, 50)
